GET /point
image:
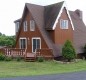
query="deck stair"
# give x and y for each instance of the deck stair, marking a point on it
(30, 57)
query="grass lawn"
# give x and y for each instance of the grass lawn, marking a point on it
(13, 68)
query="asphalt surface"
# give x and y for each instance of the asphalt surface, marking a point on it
(67, 76)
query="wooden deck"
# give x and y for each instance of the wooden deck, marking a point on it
(13, 52)
(46, 53)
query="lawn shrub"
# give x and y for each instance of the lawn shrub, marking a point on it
(2, 56)
(18, 58)
(68, 51)
(8, 59)
(40, 59)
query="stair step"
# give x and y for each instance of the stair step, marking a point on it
(30, 59)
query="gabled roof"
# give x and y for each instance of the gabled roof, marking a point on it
(52, 14)
(37, 13)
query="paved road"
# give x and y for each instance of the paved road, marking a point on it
(66, 76)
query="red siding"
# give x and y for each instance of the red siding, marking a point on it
(61, 35)
(30, 34)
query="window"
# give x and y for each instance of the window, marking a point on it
(25, 25)
(32, 25)
(36, 44)
(17, 26)
(63, 24)
(23, 43)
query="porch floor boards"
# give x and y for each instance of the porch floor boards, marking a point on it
(30, 57)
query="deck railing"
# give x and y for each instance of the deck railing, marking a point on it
(13, 52)
(47, 53)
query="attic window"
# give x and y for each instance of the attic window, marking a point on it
(63, 24)
(32, 25)
(25, 25)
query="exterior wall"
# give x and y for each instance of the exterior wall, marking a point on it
(52, 35)
(30, 34)
(61, 35)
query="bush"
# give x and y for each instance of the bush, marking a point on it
(8, 59)
(68, 51)
(2, 57)
(18, 58)
(40, 59)
(84, 51)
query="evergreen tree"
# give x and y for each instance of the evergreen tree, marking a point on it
(68, 51)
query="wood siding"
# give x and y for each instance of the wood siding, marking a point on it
(59, 36)
(30, 34)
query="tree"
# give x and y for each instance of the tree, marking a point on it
(68, 51)
(8, 41)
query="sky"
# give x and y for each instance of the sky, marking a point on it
(11, 10)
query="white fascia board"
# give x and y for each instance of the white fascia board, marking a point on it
(63, 6)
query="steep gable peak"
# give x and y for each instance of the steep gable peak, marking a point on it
(53, 4)
(56, 21)
(32, 4)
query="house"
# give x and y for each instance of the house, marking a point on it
(44, 29)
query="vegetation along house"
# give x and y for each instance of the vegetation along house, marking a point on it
(44, 29)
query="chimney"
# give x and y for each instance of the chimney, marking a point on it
(79, 13)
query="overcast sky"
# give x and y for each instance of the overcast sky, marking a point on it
(10, 10)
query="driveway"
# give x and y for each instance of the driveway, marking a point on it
(67, 76)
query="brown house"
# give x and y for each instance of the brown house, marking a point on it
(44, 29)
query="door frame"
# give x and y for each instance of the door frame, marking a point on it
(32, 43)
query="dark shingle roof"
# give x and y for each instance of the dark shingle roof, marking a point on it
(50, 13)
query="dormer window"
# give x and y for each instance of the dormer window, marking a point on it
(32, 25)
(17, 26)
(25, 25)
(63, 24)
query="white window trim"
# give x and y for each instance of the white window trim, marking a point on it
(32, 21)
(20, 43)
(25, 26)
(61, 24)
(32, 43)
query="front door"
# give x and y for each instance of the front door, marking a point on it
(36, 44)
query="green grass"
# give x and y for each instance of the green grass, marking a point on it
(13, 68)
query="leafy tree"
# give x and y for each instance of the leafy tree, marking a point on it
(8, 41)
(68, 51)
